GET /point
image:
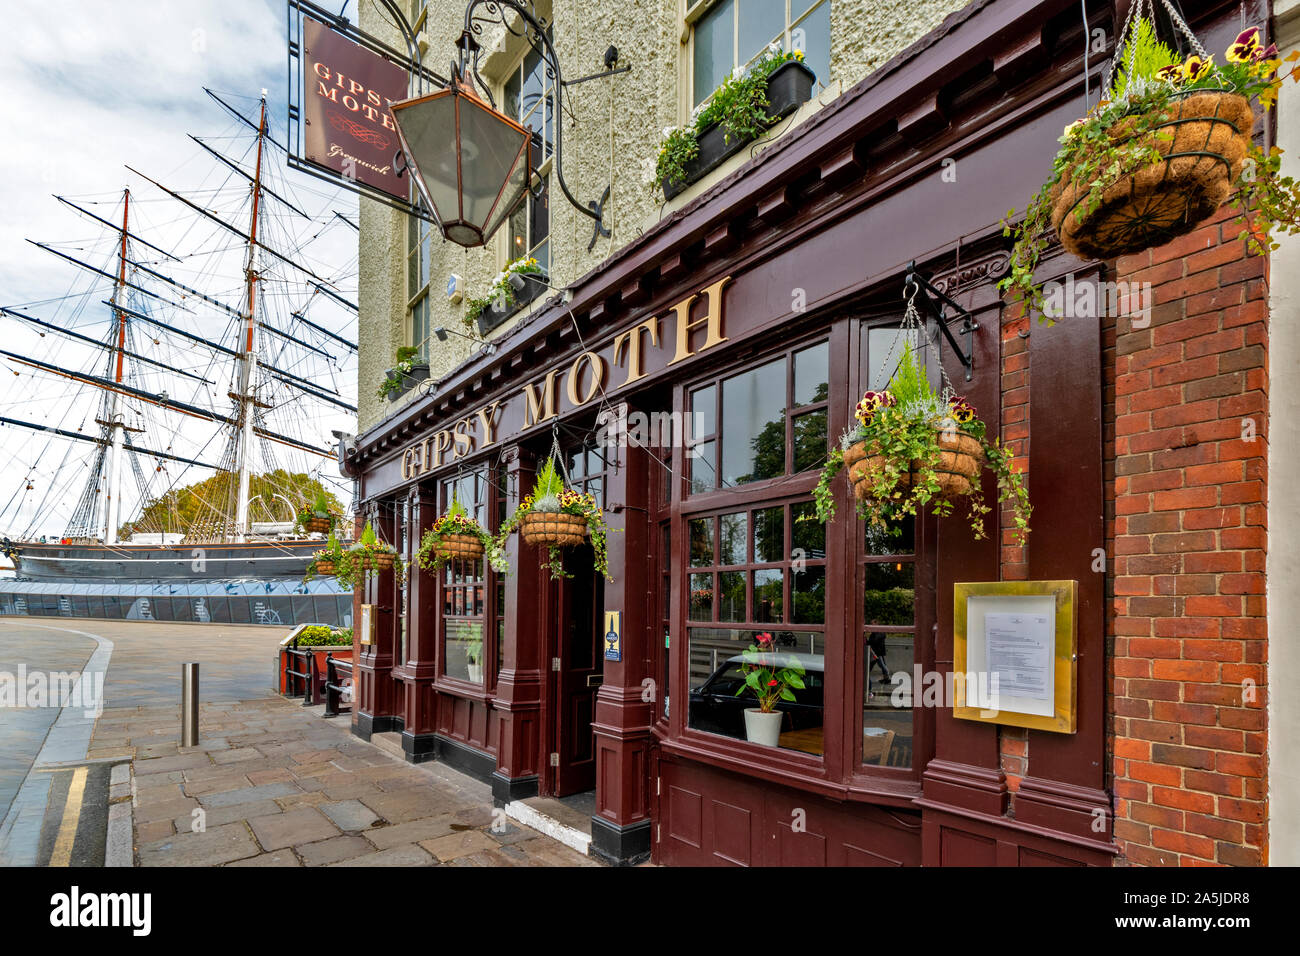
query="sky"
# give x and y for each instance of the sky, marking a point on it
(89, 89)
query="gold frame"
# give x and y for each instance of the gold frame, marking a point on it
(366, 625)
(1065, 683)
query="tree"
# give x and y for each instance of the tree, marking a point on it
(204, 502)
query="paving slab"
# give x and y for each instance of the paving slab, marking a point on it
(276, 831)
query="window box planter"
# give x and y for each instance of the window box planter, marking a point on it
(414, 377)
(526, 286)
(788, 88)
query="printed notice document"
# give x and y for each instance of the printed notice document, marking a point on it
(1021, 651)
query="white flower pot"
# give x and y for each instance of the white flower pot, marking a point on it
(476, 673)
(761, 728)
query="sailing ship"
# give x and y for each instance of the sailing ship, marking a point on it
(165, 393)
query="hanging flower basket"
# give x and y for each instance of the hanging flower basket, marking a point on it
(1169, 143)
(317, 524)
(912, 448)
(316, 517)
(458, 537)
(324, 563)
(1202, 139)
(960, 459)
(368, 556)
(553, 530)
(556, 517)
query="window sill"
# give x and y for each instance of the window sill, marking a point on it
(789, 769)
(455, 687)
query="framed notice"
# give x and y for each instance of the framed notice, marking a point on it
(1015, 653)
(366, 624)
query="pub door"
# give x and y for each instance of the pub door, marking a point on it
(577, 666)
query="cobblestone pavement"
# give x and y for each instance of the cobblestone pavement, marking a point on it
(274, 784)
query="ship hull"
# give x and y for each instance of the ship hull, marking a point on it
(188, 562)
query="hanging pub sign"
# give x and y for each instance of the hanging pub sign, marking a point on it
(347, 127)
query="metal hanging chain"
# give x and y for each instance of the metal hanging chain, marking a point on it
(558, 456)
(1146, 9)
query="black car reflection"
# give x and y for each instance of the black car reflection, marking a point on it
(717, 709)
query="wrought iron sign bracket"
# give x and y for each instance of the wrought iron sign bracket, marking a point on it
(533, 30)
(937, 304)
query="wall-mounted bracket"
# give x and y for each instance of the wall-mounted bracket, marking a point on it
(937, 304)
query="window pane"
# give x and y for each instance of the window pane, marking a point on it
(760, 22)
(541, 213)
(731, 596)
(464, 650)
(713, 49)
(703, 471)
(884, 352)
(753, 424)
(519, 231)
(769, 596)
(701, 542)
(769, 535)
(808, 595)
(888, 597)
(810, 440)
(809, 533)
(734, 541)
(716, 665)
(812, 375)
(813, 36)
(896, 539)
(887, 708)
(704, 407)
(701, 597)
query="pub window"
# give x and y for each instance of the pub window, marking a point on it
(763, 423)
(465, 589)
(731, 33)
(888, 562)
(756, 570)
(887, 576)
(529, 98)
(419, 249)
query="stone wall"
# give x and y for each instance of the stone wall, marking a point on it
(612, 127)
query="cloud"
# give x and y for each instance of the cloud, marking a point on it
(90, 88)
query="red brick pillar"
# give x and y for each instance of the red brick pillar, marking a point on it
(1189, 527)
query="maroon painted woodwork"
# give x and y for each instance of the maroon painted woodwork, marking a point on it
(519, 684)
(835, 210)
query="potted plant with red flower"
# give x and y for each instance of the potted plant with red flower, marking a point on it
(771, 678)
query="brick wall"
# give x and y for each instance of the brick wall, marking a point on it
(1013, 742)
(1186, 541)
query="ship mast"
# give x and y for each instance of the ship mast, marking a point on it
(117, 428)
(246, 397)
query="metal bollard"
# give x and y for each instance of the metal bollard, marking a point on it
(190, 704)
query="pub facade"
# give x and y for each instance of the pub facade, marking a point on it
(694, 382)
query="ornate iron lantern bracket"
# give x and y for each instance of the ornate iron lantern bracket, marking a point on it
(480, 14)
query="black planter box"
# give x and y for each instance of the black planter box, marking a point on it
(526, 290)
(414, 377)
(788, 88)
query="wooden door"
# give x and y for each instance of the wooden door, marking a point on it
(578, 649)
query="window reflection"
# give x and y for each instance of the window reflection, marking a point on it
(716, 657)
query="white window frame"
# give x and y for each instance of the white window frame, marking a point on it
(697, 11)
